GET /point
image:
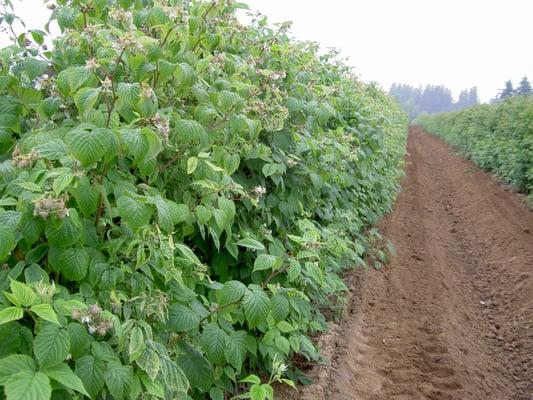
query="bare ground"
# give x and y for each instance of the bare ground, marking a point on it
(451, 317)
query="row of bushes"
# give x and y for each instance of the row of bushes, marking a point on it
(497, 137)
(179, 194)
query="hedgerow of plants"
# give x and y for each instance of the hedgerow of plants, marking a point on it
(179, 195)
(497, 137)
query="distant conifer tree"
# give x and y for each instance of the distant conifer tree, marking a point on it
(524, 87)
(508, 91)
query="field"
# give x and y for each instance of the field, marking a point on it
(497, 137)
(451, 316)
(179, 196)
(196, 208)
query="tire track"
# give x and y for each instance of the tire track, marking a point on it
(451, 317)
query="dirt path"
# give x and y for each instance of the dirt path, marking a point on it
(451, 317)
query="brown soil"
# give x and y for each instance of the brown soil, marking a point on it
(451, 316)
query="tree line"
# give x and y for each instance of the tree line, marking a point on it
(431, 99)
(523, 89)
(438, 98)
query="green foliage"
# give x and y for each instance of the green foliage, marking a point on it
(497, 137)
(179, 195)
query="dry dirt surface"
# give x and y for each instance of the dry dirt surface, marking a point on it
(451, 316)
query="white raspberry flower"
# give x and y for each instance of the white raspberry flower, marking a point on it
(291, 163)
(91, 65)
(259, 190)
(107, 83)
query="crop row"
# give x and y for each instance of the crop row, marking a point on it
(497, 137)
(179, 194)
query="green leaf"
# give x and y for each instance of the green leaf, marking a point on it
(128, 93)
(30, 186)
(62, 180)
(213, 166)
(269, 169)
(192, 163)
(188, 254)
(164, 216)
(89, 144)
(215, 393)
(135, 213)
(7, 242)
(231, 292)
(118, 378)
(228, 100)
(251, 244)
(38, 36)
(204, 214)
(14, 363)
(70, 79)
(136, 143)
(181, 318)
(256, 306)
(86, 196)
(52, 149)
(51, 346)
(280, 307)
(213, 341)
(154, 142)
(196, 367)
(9, 219)
(86, 98)
(228, 206)
(174, 378)
(91, 372)
(46, 312)
(28, 385)
(50, 106)
(236, 348)
(178, 212)
(30, 67)
(64, 375)
(266, 261)
(34, 273)
(185, 75)
(283, 344)
(80, 340)
(23, 295)
(220, 218)
(63, 232)
(251, 379)
(31, 228)
(8, 201)
(9, 314)
(189, 132)
(137, 344)
(72, 262)
(258, 392)
(150, 362)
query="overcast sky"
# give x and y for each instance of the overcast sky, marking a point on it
(458, 43)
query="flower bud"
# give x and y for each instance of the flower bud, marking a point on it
(94, 310)
(49, 204)
(62, 213)
(24, 163)
(76, 314)
(91, 65)
(43, 214)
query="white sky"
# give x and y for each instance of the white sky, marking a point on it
(458, 43)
